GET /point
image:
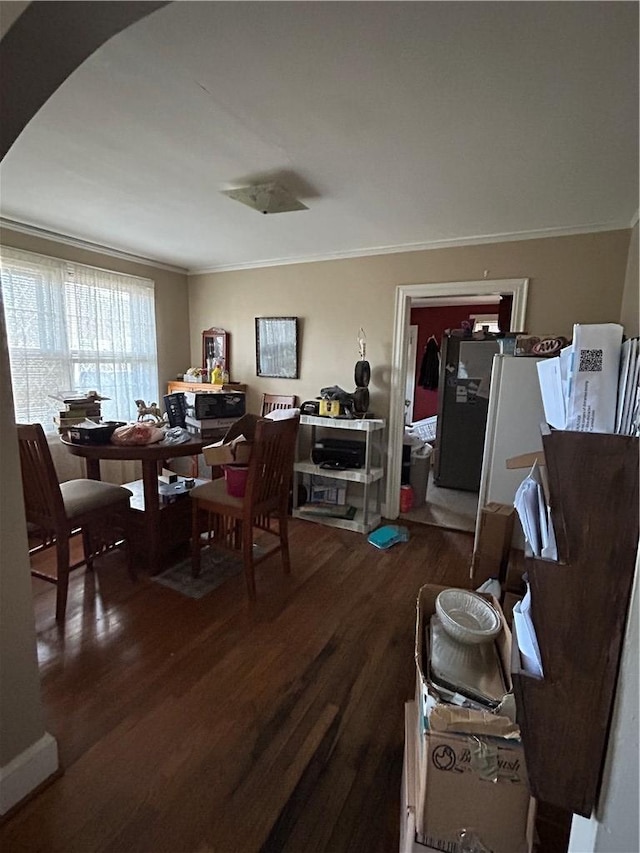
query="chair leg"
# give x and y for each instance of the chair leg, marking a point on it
(86, 546)
(195, 540)
(247, 559)
(62, 568)
(283, 527)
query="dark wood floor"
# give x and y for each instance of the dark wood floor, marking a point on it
(213, 726)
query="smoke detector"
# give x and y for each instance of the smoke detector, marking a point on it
(266, 198)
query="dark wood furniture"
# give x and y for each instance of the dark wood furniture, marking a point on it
(174, 387)
(156, 526)
(579, 609)
(270, 402)
(99, 510)
(266, 498)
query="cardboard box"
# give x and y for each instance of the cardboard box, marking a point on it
(408, 841)
(484, 568)
(493, 543)
(471, 784)
(235, 447)
(433, 713)
(496, 530)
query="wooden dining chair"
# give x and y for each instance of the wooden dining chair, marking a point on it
(270, 402)
(231, 520)
(100, 511)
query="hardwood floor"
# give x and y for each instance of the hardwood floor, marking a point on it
(212, 725)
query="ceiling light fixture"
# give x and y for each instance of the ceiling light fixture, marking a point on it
(266, 198)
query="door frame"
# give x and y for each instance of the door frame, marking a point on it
(515, 287)
(410, 381)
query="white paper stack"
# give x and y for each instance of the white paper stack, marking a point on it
(535, 516)
(592, 386)
(628, 411)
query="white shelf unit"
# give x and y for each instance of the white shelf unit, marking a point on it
(367, 515)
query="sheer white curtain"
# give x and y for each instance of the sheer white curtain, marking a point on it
(75, 328)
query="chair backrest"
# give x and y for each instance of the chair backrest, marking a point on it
(42, 496)
(276, 401)
(271, 465)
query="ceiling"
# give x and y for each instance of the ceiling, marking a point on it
(400, 125)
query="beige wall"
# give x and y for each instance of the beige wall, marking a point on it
(172, 312)
(20, 706)
(630, 311)
(572, 279)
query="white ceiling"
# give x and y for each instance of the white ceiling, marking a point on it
(399, 124)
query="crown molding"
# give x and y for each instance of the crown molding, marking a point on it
(77, 243)
(478, 240)
(540, 234)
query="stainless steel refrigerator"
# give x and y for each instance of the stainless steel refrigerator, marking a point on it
(463, 401)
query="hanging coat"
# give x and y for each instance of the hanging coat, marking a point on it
(430, 366)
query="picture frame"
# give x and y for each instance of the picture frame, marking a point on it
(277, 347)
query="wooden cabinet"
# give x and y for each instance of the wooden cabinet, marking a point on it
(175, 387)
(370, 475)
(579, 609)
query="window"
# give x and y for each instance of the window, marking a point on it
(488, 320)
(75, 328)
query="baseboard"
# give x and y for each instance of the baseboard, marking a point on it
(27, 771)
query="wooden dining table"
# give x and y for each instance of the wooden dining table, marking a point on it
(159, 527)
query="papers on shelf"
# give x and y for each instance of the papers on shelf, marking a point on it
(535, 515)
(526, 635)
(581, 387)
(593, 377)
(628, 410)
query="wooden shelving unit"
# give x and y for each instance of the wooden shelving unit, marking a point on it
(579, 609)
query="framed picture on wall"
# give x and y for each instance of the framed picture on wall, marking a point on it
(277, 347)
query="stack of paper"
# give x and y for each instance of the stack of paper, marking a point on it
(526, 636)
(535, 516)
(581, 387)
(628, 410)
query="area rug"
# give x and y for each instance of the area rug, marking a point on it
(217, 567)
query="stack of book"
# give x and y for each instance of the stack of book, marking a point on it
(78, 408)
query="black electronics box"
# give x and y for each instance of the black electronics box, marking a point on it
(219, 404)
(338, 453)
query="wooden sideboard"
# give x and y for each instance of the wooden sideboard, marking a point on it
(176, 387)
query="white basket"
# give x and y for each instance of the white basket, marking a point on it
(425, 429)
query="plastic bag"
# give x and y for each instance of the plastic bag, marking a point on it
(176, 435)
(133, 434)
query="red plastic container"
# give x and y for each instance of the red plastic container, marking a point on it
(406, 498)
(236, 479)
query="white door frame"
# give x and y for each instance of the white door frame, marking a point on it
(516, 287)
(410, 383)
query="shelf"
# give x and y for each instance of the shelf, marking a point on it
(359, 494)
(356, 523)
(579, 609)
(204, 387)
(354, 475)
(360, 424)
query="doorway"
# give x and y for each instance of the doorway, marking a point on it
(406, 295)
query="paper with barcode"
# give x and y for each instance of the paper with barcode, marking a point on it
(593, 377)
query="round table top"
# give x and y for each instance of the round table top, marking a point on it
(154, 452)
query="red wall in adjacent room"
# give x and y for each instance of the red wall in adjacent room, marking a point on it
(434, 321)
